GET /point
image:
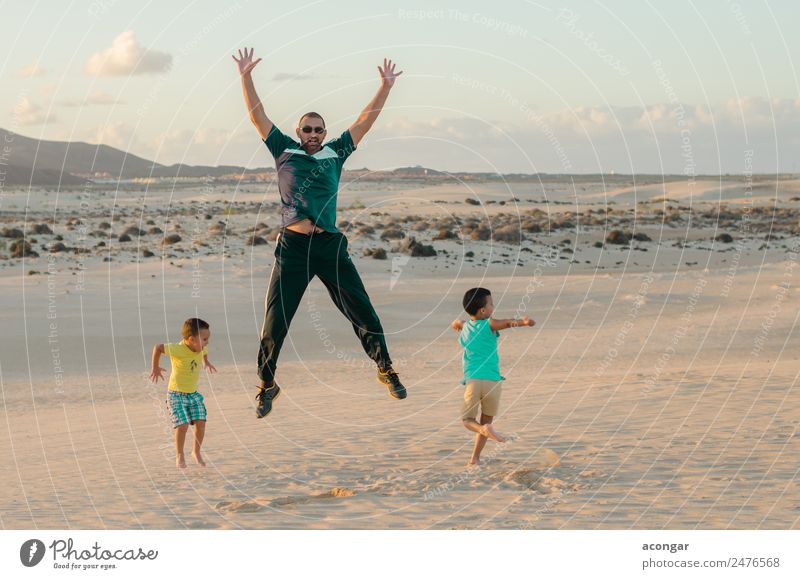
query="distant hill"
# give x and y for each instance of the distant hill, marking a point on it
(16, 175)
(50, 163)
(60, 163)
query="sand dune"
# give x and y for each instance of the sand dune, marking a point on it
(656, 391)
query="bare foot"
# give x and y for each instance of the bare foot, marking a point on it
(489, 432)
(474, 462)
(198, 458)
(180, 462)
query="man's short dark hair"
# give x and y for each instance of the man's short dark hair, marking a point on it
(192, 327)
(312, 115)
(475, 299)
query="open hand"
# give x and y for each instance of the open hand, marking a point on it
(388, 75)
(210, 367)
(245, 62)
(157, 373)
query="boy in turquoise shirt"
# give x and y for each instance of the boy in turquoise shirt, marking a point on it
(478, 337)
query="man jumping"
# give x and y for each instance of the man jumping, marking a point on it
(309, 244)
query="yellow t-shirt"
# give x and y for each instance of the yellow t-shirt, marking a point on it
(186, 365)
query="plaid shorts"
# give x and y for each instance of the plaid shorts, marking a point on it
(185, 407)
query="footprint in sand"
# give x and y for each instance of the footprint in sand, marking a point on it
(256, 505)
(532, 476)
(526, 477)
(536, 481)
(550, 485)
(336, 492)
(252, 506)
(288, 501)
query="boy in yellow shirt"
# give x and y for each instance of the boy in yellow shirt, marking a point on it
(184, 401)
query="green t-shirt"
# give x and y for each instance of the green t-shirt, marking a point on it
(309, 184)
(481, 361)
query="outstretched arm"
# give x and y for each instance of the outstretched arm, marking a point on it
(498, 325)
(258, 117)
(370, 113)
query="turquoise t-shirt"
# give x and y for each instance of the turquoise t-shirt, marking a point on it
(309, 184)
(481, 361)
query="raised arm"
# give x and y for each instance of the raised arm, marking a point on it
(498, 325)
(367, 117)
(258, 117)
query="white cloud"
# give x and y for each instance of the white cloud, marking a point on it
(727, 137)
(26, 113)
(127, 57)
(669, 137)
(755, 113)
(31, 70)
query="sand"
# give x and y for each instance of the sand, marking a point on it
(652, 394)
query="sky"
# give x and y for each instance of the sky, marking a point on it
(676, 86)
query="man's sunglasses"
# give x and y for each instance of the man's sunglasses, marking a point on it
(308, 129)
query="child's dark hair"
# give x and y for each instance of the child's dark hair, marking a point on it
(192, 327)
(475, 299)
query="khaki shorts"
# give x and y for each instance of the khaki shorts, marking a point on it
(483, 393)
